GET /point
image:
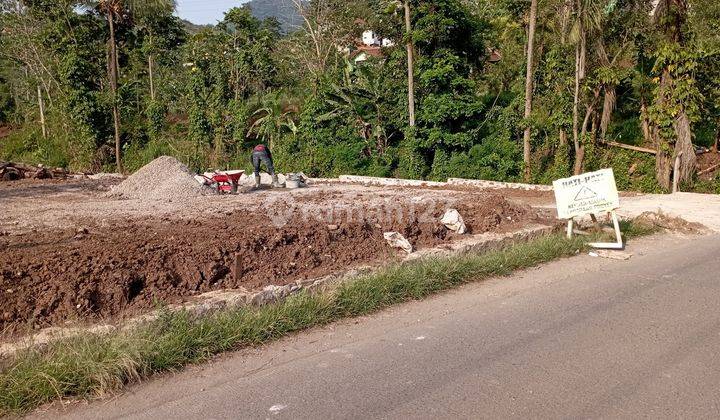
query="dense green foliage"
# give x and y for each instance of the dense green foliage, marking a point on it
(207, 94)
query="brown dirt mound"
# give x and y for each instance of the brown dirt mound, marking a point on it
(493, 212)
(165, 178)
(663, 221)
(53, 276)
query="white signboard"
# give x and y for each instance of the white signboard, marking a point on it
(592, 192)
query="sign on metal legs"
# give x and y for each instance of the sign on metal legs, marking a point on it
(589, 193)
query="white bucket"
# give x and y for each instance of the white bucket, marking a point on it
(292, 184)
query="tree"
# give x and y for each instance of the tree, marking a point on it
(392, 6)
(676, 103)
(116, 11)
(250, 45)
(24, 43)
(411, 65)
(704, 23)
(160, 33)
(323, 32)
(529, 87)
(587, 20)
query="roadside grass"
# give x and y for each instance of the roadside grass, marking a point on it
(94, 365)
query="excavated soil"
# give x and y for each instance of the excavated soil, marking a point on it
(80, 256)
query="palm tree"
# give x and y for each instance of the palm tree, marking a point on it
(116, 11)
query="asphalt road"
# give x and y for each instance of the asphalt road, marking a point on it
(578, 338)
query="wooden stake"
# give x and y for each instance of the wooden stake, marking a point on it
(41, 105)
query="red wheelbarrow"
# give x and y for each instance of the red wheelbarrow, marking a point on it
(224, 182)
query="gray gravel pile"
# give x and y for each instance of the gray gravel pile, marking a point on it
(165, 178)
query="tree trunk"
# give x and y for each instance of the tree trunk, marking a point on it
(529, 88)
(580, 52)
(411, 65)
(683, 148)
(150, 75)
(663, 159)
(576, 101)
(683, 144)
(717, 138)
(608, 108)
(41, 105)
(645, 123)
(580, 152)
(27, 91)
(113, 76)
(663, 169)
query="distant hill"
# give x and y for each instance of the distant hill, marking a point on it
(283, 10)
(193, 28)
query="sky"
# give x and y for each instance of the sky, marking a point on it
(205, 11)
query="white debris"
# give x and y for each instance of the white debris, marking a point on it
(277, 408)
(454, 221)
(396, 240)
(106, 175)
(613, 255)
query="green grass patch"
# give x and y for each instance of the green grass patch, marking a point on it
(93, 365)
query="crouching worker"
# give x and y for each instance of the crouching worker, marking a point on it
(261, 154)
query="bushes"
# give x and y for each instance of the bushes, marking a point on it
(634, 171)
(64, 147)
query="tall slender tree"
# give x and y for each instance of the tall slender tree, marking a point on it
(587, 20)
(116, 11)
(529, 75)
(394, 6)
(410, 59)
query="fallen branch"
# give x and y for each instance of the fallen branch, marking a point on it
(629, 147)
(710, 169)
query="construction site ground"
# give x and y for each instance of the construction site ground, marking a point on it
(71, 253)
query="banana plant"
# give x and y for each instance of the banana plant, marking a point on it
(271, 120)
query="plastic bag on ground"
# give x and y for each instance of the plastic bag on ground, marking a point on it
(396, 240)
(453, 221)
